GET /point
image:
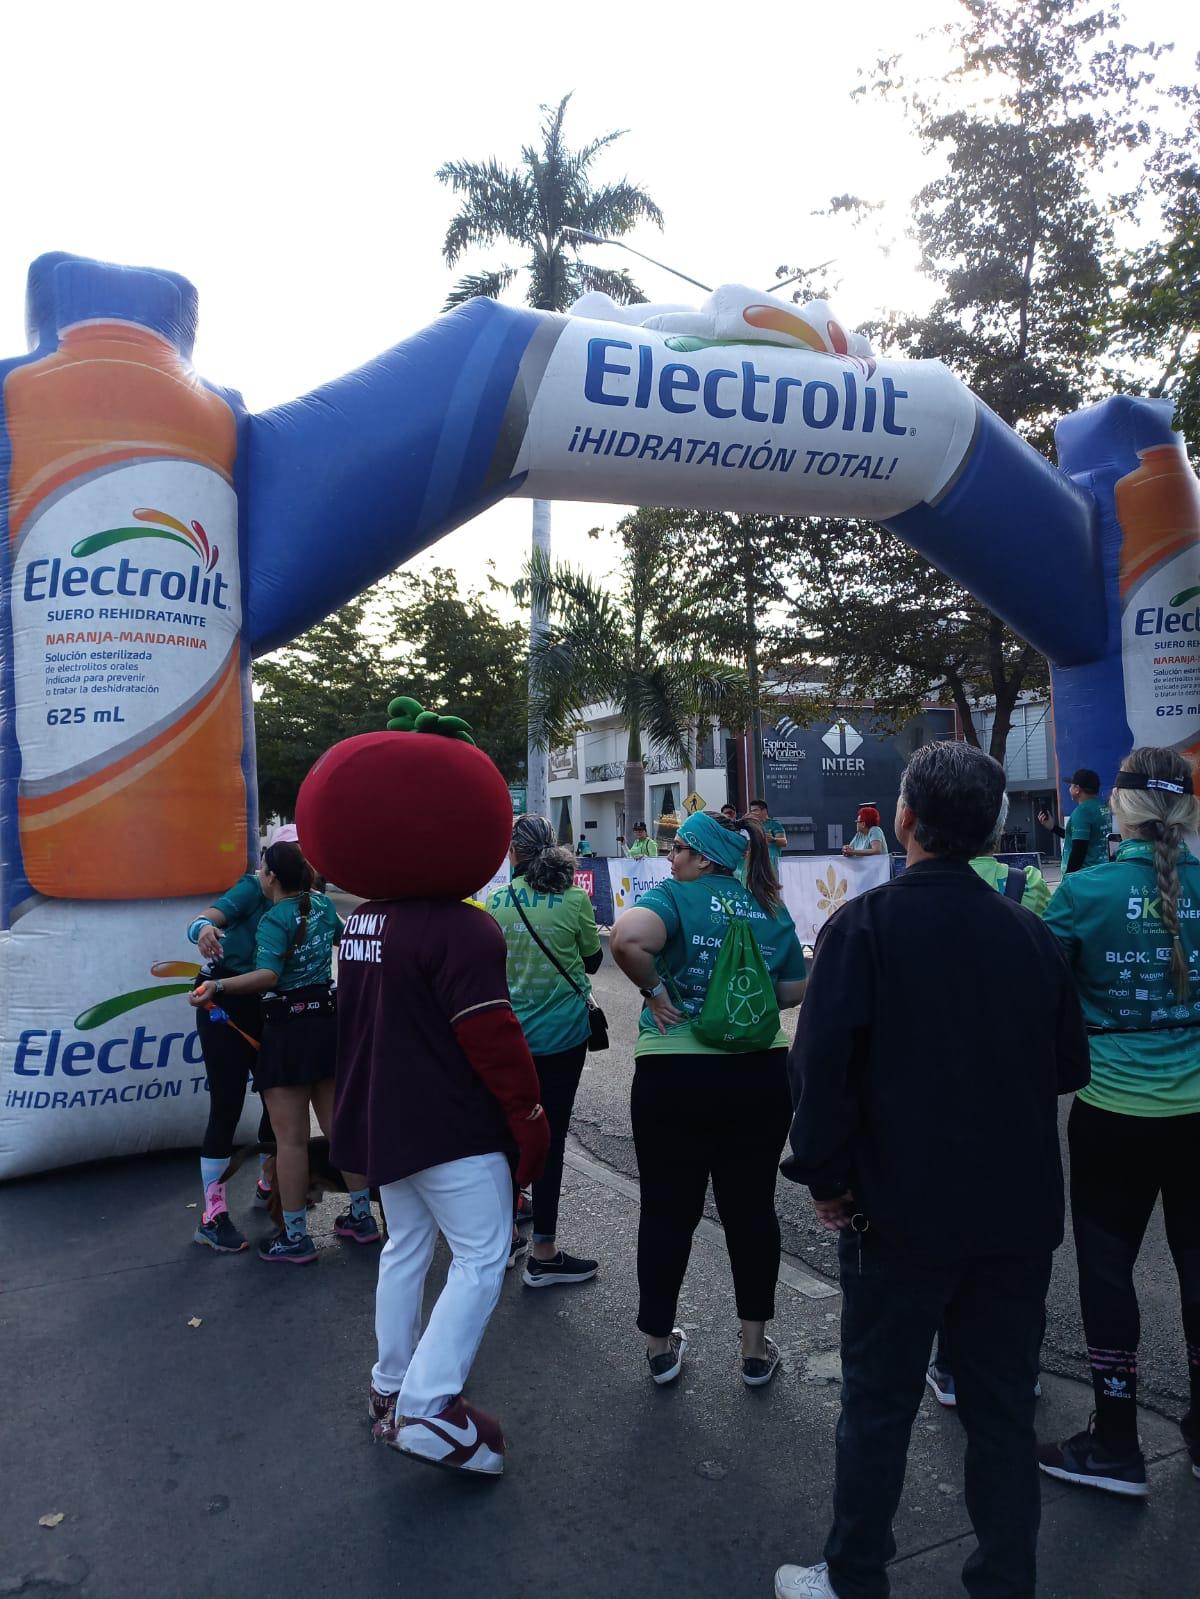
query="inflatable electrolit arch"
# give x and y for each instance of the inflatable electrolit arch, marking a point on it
(156, 537)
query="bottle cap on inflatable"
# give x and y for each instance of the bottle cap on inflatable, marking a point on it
(85, 293)
(419, 814)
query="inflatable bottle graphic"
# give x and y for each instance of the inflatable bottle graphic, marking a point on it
(125, 600)
(1158, 508)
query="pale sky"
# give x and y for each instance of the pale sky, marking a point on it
(282, 157)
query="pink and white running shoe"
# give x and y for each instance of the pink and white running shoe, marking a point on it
(461, 1437)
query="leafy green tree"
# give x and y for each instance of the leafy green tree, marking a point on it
(452, 652)
(537, 205)
(1017, 233)
(328, 684)
(411, 634)
(873, 620)
(1158, 319)
(599, 648)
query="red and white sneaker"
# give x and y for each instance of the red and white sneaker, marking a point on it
(460, 1437)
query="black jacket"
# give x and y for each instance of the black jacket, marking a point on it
(939, 1027)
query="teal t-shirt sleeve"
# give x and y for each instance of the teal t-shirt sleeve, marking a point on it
(1060, 917)
(240, 901)
(661, 901)
(274, 937)
(587, 935)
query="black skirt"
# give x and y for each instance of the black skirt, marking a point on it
(299, 1040)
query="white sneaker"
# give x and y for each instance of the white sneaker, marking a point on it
(804, 1582)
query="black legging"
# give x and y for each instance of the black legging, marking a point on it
(1119, 1167)
(558, 1076)
(228, 1062)
(695, 1117)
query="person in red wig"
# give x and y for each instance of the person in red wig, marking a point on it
(436, 1098)
(869, 837)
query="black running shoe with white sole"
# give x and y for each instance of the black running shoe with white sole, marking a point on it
(941, 1382)
(666, 1367)
(758, 1370)
(562, 1269)
(1084, 1460)
(516, 1249)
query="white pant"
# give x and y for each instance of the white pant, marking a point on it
(471, 1202)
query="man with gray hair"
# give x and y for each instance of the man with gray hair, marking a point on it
(939, 1027)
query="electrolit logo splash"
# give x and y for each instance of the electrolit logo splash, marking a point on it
(48, 578)
(194, 536)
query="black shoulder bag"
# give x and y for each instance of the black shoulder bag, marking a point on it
(597, 1021)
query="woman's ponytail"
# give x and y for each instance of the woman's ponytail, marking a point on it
(1163, 819)
(296, 876)
(760, 875)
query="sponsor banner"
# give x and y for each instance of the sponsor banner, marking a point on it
(108, 1063)
(630, 879)
(813, 888)
(760, 428)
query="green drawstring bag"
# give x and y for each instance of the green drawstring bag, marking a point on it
(740, 1012)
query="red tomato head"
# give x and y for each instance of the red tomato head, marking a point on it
(405, 816)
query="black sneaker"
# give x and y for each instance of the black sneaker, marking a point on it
(758, 1370)
(562, 1269)
(516, 1249)
(1191, 1437)
(1085, 1460)
(219, 1233)
(666, 1367)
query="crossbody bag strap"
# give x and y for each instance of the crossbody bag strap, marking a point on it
(553, 959)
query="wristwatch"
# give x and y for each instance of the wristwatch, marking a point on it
(652, 993)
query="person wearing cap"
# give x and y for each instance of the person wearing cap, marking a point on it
(869, 837)
(700, 1112)
(224, 933)
(1131, 932)
(643, 847)
(1085, 835)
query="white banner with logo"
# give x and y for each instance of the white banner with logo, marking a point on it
(814, 887)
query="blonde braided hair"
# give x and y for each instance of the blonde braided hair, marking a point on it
(1163, 820)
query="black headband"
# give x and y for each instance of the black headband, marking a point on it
(1161, 785)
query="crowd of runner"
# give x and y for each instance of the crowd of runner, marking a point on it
(446, 1072)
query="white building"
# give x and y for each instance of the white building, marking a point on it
(587, 781)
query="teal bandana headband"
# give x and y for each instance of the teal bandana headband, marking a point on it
(714, 842)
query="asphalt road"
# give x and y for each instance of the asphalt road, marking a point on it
(601, 1125)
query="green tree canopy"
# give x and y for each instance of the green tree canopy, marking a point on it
(411, 634)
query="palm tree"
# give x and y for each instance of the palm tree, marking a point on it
(537, 205)
(599, 648)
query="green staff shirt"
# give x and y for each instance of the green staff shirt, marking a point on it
(696, 918)
(243, 907)
(298, 965)
(773, 826)
(553, 1016)
(643, 849)
(1090, 822)
(1107, 921)
(1036, 894)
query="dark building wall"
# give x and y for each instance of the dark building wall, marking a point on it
(818, 776)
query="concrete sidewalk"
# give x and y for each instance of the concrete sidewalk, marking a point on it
(234, 1457)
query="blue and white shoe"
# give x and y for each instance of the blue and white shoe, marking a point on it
(218, 1232)
(362, 1229)
(289, 1251)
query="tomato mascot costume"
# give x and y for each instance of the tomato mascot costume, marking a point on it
(437, 1093)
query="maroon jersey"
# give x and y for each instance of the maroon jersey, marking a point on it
(406, 1096)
